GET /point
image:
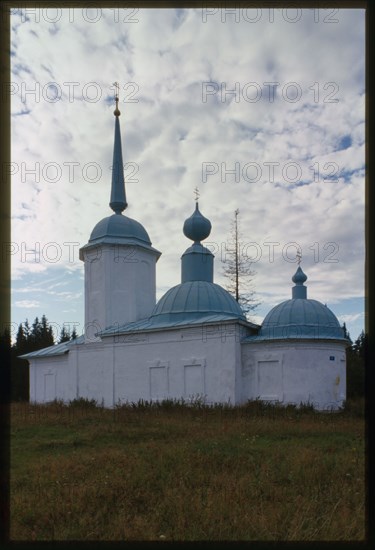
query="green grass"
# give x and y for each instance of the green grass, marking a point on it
(172, 472)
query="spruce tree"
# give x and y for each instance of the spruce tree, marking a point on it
(6, 358)
(355, 367)
(38, 336)
(26, 329)
(64, 335)
(20, 369)
(346, 333)
(21, 340)
(46, 333)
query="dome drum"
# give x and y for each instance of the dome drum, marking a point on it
(197, 264)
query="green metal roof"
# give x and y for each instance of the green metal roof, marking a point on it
(300, 318)
(163, 323)
(121, 227)
(196, 298)
(57, 349)
(190, 303)
(119, 230)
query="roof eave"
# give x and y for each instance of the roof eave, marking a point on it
(118, 241)
(118, 331)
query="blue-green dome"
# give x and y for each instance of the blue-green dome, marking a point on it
(193, 299)
(120, 229)
(299, 277)
(301, 318)
(197, 227)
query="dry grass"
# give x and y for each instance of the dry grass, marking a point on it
(178, 473)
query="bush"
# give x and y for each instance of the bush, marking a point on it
(355, 407)
(84, 403)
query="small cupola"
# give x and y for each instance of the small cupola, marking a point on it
(197, 262)
(299, 290)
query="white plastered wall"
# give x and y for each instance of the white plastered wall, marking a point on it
(295, 372)
(191, 363)
(50, 379)
(120, 286)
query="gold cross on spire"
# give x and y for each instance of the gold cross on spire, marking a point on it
(299, 256)
(196, 192)
(116, 112)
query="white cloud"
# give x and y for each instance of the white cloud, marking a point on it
(27, 304)
(163, 60)
(349, 318)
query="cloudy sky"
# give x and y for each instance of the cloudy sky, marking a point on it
(262, 110)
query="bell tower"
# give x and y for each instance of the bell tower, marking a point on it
(119, 261)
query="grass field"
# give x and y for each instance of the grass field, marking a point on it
(172, 472)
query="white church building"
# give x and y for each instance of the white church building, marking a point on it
(195, 342)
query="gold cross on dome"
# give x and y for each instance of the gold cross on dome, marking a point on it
(196, 192)
(299, 256)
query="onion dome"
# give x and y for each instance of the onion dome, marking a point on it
(197, 297)
(299, 290)
(299, 277)
(197, 262)
(197, 227)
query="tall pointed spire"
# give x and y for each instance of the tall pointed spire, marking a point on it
(118, 198)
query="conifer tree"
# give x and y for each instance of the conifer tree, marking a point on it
(38, 336)
(346, 333)
(238, 270)
(64, 335)
(6, 356)
(359, 346)
(355, 367)
(46, 333)
(26, 329)
(21, 340)
(19, 367)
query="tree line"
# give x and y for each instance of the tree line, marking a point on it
(355, 365)
(29, 338)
